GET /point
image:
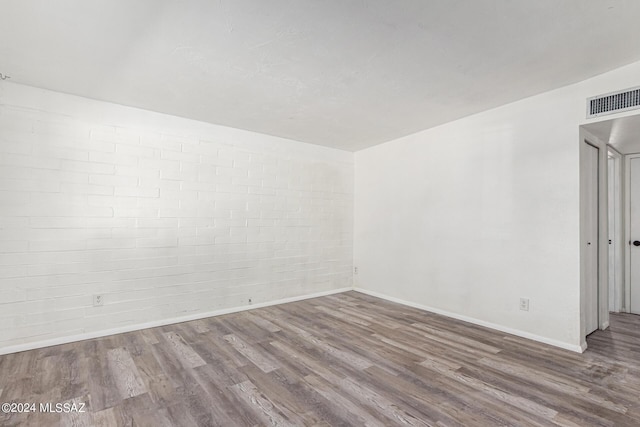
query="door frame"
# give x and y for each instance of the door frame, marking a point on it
(603, 238)
(619, 237)
(626, 306)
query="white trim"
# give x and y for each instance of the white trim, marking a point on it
(555, 343)
(618, 234)
(583, 346)
(163, 322)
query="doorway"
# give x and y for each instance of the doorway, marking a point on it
(619, 143)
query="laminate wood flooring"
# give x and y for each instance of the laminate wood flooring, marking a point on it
(347, 359)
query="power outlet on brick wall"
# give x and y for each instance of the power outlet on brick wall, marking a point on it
(98, 300)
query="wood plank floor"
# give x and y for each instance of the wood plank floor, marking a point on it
(346, 359)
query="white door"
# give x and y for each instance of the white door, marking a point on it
(634, 233)
(590, 170)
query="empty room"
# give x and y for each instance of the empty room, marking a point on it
(319, 213)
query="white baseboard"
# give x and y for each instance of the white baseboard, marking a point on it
(523, 334)
(583, 346)
(130, 328)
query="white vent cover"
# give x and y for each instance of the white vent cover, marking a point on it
(614, 102)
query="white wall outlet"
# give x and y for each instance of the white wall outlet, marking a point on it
(98, 300)
(524, 304)
(355, 270)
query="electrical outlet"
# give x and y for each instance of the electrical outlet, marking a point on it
(98, 300)
(355, 270)
(524, 304)
(250, 301)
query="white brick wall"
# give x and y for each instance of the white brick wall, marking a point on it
(166, 217)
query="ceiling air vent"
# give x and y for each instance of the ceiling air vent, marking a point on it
(614, 102)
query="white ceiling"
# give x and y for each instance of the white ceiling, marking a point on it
(342, 73)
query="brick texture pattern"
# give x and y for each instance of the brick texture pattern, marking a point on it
(162, 223)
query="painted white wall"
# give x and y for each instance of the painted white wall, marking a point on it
(164, 216)
(468, 217)
(169, 217)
